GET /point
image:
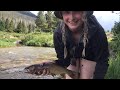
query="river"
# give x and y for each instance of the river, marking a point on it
(16, 58)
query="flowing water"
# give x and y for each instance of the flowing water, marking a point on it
(13, 60)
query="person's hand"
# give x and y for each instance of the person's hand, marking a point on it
(39, 69)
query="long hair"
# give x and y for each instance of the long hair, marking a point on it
(85, 30)
(85, 34)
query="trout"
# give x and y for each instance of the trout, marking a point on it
(50, 69)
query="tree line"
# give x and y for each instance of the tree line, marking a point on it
(45, 22)
(9, 26)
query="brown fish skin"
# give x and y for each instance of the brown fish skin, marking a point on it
(34, 69)
(58, 70)
(49, 69)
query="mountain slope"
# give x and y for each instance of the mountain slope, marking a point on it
(17, 16)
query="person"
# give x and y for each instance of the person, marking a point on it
(81, 44)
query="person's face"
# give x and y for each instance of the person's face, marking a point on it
(73, 19)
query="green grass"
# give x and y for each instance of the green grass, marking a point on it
(8, 39)
(6, 44)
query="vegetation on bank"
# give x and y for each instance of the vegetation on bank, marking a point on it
(8, 39)
(31, 39)
(114, 59)
(38, 39)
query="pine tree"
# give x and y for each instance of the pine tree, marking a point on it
(30, 28)
(40, 21)
(24, 28)
(49, 18)
(3, 19)
(55, 22)
(11, 26)
(2, 25)
(7, 23)
(18, 28)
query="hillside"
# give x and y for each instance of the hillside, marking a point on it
(17, 16)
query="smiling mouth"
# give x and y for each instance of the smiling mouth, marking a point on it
(73, 22)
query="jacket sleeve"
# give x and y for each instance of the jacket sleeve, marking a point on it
(59, 48)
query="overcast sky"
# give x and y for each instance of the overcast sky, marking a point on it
(106, 18)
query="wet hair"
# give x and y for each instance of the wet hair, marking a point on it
(85, 34)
